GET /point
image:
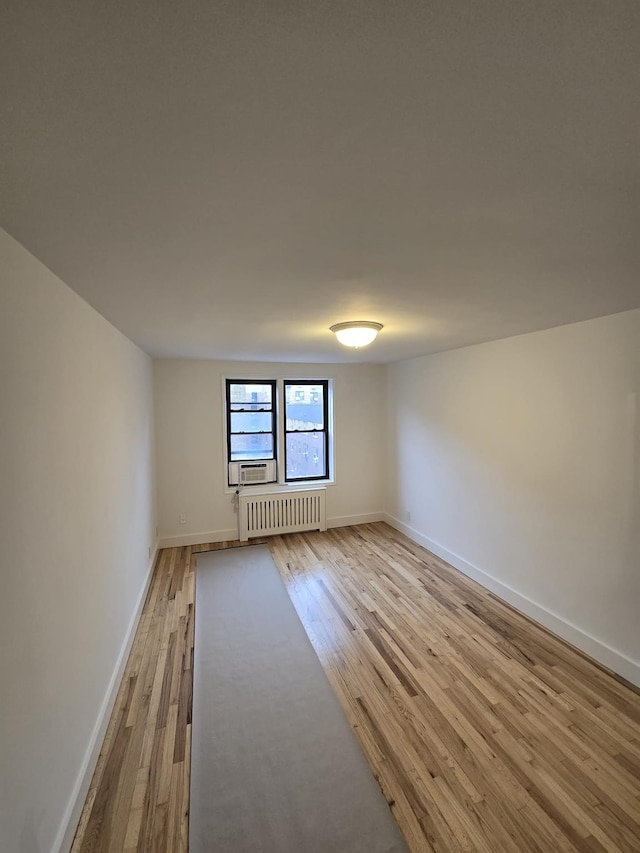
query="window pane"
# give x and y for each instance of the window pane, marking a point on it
(251, 447)
(250, 407)
(305, 455)
(251, 422)
(304, 407)
(240, 392)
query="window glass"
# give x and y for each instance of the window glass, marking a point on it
(250, 446)
(305, 407)
(257, 395)
(251, 420)
(306, 433)
(305, 455)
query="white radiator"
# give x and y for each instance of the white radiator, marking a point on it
(283, 512)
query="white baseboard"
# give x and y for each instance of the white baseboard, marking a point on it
(232, 533)
(199, 538)
(596, 649)
(350, 520)
(68, 826)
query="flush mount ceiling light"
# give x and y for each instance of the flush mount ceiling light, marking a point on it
(357, 333)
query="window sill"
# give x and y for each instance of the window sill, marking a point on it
(270, 488)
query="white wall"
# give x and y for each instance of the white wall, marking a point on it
(77, 520)
(190, 434)
(519, 462)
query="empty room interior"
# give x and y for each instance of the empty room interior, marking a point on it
(320, 429)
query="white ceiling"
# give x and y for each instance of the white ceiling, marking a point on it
(227, 179)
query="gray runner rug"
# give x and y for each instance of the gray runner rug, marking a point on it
(275, 766)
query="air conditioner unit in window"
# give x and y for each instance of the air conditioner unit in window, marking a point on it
(252, 473)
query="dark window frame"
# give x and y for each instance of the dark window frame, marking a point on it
(274, 417)
(325, 431)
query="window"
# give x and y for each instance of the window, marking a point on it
(251, 419)
(306, 432)
(268, 420)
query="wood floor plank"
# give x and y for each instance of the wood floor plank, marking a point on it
(484, 730)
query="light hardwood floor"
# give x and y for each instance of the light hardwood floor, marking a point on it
(485, 732)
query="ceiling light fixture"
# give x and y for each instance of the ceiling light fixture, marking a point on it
(357, 333)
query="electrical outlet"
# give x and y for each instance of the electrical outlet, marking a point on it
(182, 519)
(149, 551)
(407, 515)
